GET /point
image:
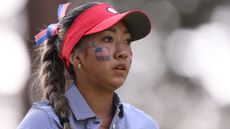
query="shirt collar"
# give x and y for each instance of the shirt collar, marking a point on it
(80, 107)
(78, 104)
(118, 105)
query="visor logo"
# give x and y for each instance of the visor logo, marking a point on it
(112, 10)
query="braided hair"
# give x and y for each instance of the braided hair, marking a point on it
(51, 69)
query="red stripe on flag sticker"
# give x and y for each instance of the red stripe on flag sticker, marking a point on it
(102, 54)
(102, 51)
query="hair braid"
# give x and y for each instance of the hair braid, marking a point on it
(51, 68)
(52, 80)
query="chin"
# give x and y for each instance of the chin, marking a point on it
(117, 83)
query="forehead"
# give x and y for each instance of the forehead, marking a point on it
(120, 26)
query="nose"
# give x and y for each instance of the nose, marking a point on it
(122, 51)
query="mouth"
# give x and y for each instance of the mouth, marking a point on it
(121, 67)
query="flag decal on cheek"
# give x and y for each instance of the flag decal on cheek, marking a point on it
(102, 54)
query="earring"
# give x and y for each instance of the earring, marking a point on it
(78, 66)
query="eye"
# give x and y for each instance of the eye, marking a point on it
(108, 39)
(127, 41)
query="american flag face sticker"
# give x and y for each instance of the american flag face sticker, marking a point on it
(102, 54)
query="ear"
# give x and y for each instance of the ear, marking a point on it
(74, 59)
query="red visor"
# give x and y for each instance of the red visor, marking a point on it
(99, 18)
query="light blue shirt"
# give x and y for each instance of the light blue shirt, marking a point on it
(42, 116)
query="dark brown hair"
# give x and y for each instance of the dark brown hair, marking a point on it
(51, 69)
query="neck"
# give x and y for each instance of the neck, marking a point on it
(101, 102)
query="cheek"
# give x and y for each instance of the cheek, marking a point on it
(103, 53)
(98, 52)
(130, 52)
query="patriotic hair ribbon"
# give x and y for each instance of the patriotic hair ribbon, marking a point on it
(52, 29)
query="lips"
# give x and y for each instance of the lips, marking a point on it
(121, 67)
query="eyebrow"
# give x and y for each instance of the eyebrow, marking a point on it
(114, 30)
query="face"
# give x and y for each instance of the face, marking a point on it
(107, 58)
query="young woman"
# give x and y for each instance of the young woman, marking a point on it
(92, 44)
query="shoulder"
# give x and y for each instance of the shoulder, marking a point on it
(138, 118)
(40, 116)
